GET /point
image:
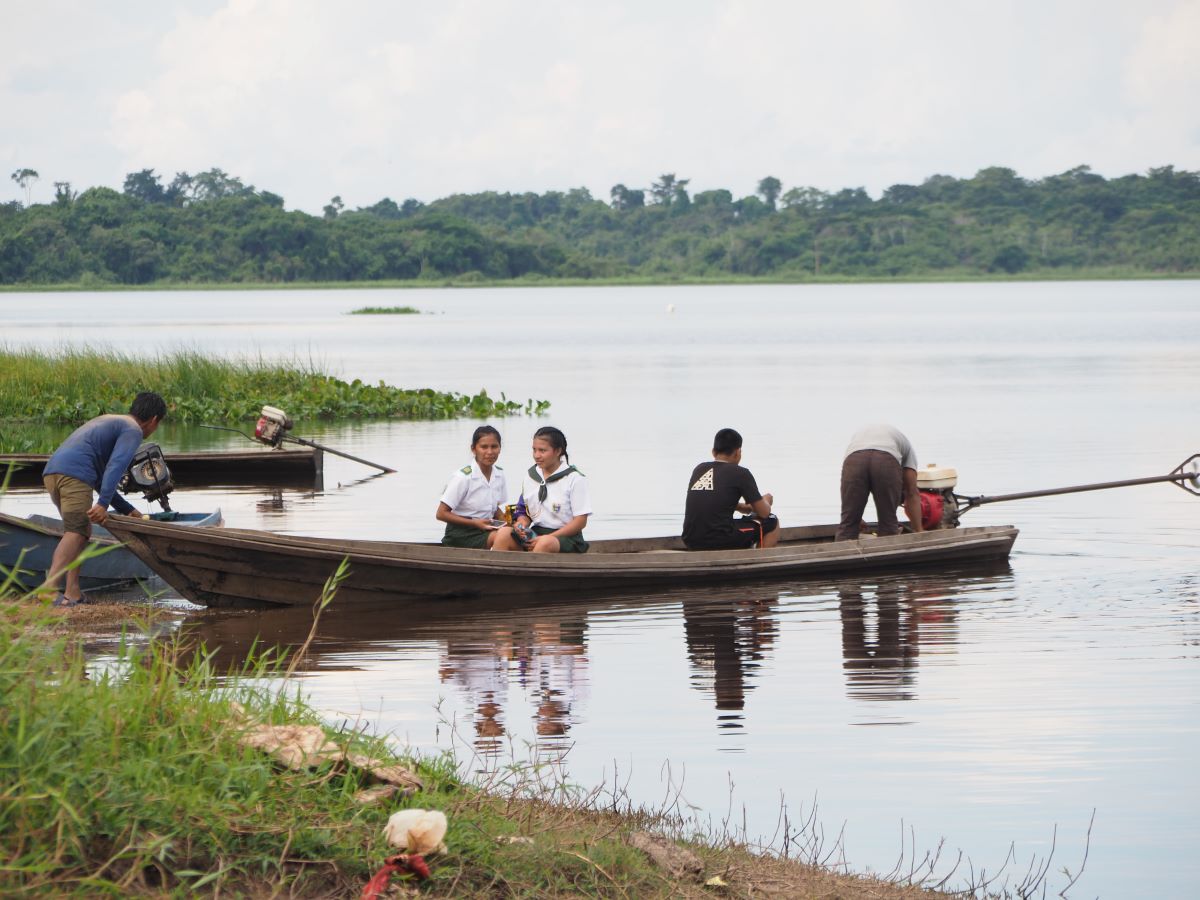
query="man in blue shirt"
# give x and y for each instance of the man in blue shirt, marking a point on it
(93, 458)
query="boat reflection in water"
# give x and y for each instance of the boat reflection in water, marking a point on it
(500, 657)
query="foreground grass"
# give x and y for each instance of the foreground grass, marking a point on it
(132, 780)
(129, 780)
(71, 386)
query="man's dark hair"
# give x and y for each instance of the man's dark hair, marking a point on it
(147, 405)
(726, 442)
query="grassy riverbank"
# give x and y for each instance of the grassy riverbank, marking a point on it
(71, 386)
(131, 777)
(476, 280)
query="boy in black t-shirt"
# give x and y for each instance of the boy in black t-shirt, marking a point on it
(716, 490)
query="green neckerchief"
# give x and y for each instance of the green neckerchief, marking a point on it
(544, 491)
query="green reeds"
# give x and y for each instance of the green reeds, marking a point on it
(70, 386)
(385, 311)
(131, 778)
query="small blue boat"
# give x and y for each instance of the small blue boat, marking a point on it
(27, 546)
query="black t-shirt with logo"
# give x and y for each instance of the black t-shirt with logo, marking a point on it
(714, 491)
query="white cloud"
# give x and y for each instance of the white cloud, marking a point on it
(366, 99)
(1163, 70)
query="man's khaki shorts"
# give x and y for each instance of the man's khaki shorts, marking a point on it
(73, 499)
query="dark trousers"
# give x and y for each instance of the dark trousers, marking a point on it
(876, 473)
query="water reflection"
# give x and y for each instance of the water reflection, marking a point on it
(886, 626)
(727, 642)
(878, 649)
(546, 659)
(534, 661)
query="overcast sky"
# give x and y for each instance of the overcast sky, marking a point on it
(374, 98)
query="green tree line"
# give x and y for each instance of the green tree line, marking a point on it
(213, 228)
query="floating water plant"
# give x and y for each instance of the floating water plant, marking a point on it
(71, 386)
(385, 311)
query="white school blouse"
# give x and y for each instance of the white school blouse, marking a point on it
(470, 494)
(565, 499)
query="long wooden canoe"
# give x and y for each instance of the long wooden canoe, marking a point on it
(234, 567)
(27, 547)
(207, 468)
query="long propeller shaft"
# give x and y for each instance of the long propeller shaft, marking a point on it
(1186, 475)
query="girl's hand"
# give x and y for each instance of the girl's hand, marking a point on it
(524, 536)
(484, 524)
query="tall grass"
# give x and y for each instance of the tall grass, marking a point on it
(72, 385)
(130, 777)
(133, 779)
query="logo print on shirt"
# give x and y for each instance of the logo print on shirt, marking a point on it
(704, 482)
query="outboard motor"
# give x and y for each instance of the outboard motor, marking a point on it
(148, 475)
(272, 429)
(273, 426)
(939, 508)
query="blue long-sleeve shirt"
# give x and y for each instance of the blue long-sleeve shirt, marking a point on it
(98, 453)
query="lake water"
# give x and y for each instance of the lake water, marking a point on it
(980, 707)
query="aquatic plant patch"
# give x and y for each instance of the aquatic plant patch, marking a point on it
(385, 311)
(72, 386)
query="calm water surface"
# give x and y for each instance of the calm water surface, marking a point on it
(985, 707)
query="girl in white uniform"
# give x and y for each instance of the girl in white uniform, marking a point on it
(555, 502)
(473, 498)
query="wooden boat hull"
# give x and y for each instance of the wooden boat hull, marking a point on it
(255, 568)
(303, 465)
(27, 546)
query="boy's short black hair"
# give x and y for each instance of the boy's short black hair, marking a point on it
(726, 442)
(148, 405)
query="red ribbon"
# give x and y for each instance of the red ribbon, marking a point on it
(405, 864)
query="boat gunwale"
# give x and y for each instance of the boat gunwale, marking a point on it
(192, 457)
(201, 468)
(414, 555)
(28, 537)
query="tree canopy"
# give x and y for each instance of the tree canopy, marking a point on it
(212, 227)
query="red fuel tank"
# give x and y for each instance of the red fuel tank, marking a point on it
(932, 506)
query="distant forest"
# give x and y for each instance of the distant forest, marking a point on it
(213, 228)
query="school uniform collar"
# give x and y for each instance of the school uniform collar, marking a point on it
(535, 474)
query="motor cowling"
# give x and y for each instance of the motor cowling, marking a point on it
(272, 426)
(148, 475)
(939, 509)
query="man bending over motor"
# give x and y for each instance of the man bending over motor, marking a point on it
(880, 463)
